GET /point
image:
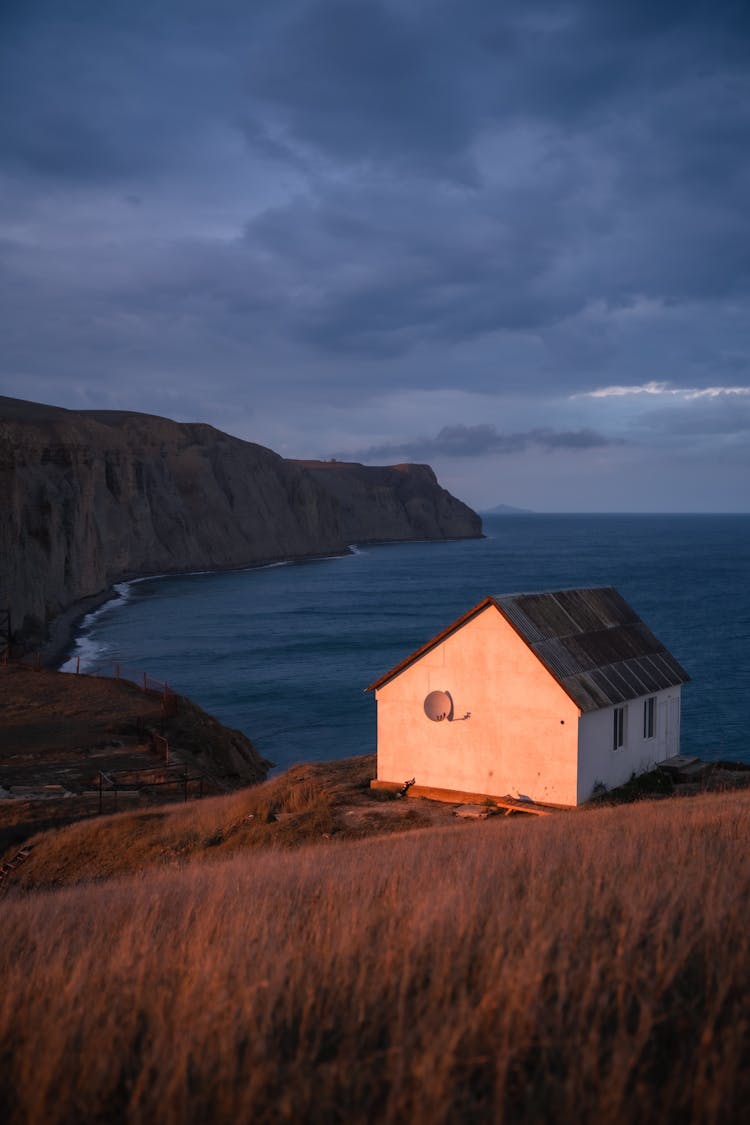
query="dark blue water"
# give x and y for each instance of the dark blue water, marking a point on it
(285, 653)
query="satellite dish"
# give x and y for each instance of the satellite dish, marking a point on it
(438, 706)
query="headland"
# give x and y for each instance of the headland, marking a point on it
(95, 497)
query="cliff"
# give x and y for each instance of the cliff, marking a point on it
(397, 502)
(88, 498)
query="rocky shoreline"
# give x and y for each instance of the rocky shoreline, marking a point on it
(63, 630)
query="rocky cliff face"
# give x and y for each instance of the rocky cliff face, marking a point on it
(397, 502)
(92, 497)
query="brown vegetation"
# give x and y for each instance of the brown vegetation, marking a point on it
(60, 730)
(307, 804)
(585, 968)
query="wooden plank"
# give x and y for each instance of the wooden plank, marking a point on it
(456, 797)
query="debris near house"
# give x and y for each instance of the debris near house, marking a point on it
(475, 812)
(679, 776)
(682, 767)
(7, 868)
(437, 796)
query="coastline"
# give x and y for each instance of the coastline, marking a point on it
(64, 629)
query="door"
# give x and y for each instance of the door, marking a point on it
(673, 727)
(662, 725)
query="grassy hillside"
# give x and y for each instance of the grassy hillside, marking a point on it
(581, 968)
(60, 730)
(307, 804)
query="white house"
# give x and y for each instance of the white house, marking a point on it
(540, 696)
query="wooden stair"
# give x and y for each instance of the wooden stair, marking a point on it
(7, 869)
(682, 767)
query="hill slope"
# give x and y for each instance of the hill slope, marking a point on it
(57, 732)
(582, 968)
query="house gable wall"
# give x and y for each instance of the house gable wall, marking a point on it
(522, 735)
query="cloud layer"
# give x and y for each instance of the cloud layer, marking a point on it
(481, 441)
(293, 218)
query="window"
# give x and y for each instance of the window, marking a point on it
(618, 731)
(649, 710)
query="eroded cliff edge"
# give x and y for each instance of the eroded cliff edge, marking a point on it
(379, 504)
(89, 498)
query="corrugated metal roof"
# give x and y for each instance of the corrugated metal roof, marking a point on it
(590, 640)
(593, 643)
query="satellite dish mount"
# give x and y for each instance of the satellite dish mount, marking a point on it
(439, 706)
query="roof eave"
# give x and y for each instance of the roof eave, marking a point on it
(584, 706)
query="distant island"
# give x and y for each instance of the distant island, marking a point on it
(94, 497)
(507, 510)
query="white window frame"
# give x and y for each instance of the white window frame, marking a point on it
(618, 728)
(649, 718)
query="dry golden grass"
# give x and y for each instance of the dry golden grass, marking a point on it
(587, 968)
(308, 803)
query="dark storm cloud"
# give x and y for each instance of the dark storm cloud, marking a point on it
(326, 186)
(62, 115)
(480, 441)
(93, 92)
(390, 267)
(371, 80)
(637, 189)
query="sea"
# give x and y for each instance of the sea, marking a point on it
(286, 652)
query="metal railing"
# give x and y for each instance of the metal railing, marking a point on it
(149, 684)
(144, 781)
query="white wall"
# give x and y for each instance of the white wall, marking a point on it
(598, 763)
(521, 738)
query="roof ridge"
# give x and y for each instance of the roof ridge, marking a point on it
(580, 660)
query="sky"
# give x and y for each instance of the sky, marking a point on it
(510, 239)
